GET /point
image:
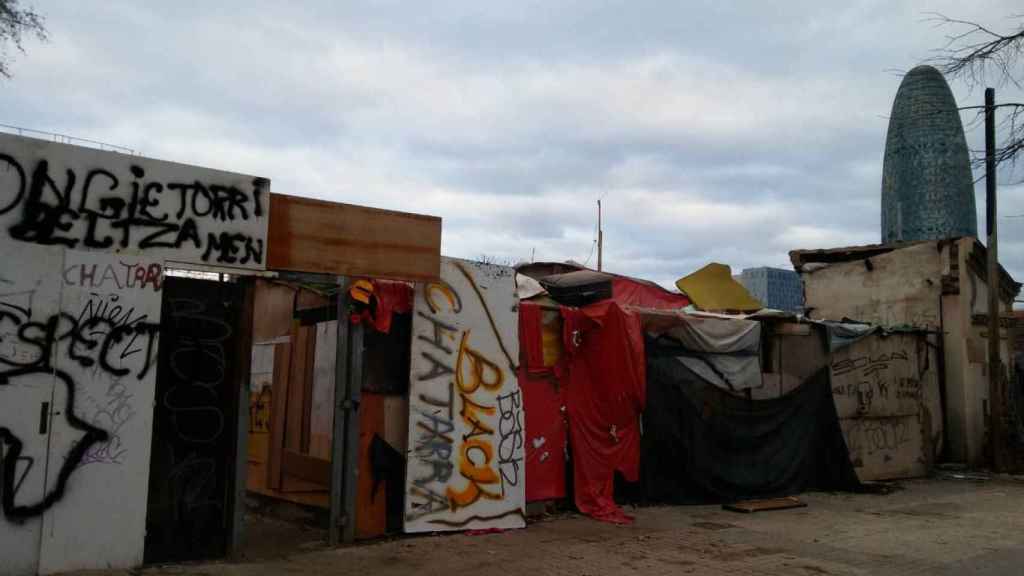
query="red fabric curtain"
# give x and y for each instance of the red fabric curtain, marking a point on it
(605, 397)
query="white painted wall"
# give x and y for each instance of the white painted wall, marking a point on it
(115, 472)
(28, 293)
(167, 211)
(86, 234)
(465, 466)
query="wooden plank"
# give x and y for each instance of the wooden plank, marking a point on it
(321, 422)
(307, 386)
(341, 369)
(278, 413)
(306, 467)
(239, 473)
(396, 421)
(308, 235)
(296, 399)
(749, 506)
(272, 315)
(371, 506)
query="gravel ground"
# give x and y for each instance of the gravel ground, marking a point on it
(935, 526)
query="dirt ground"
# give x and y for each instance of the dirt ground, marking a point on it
(936, 526)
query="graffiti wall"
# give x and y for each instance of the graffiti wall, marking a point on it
(886, 393)
(85, 237)
(465, 464)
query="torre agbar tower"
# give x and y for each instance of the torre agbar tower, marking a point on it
(927, 187)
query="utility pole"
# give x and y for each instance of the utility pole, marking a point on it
(600, 236)
(995, 365)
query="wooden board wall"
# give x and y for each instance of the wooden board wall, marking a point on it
(308, 235)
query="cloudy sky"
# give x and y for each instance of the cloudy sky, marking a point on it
(714, 131)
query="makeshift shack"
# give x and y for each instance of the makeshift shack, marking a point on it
(939, 286)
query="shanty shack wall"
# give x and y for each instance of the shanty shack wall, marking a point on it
(84, 239)
(940, 286)
(886, 392)
(902, 287)
(965, 319)
(466, 438)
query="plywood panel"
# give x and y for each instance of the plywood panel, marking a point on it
(278, 413)
(272, 311)
(321, 420)
(396, 421)
(297, 400)
(466, 468)
(371, 506)
(316, 236)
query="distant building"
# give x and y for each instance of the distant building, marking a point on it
(776, 288)
(927, 186)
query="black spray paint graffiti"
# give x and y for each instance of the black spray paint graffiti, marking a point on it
(99, 211)
(89, 342)
(873, 378)
(510, 428)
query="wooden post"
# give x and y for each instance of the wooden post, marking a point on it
(338, 516)
(995, 365)
(351, 476)
(243, 357)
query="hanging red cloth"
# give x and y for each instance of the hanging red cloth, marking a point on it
(392, 298)
(531, 343)
(605, 396)
(385, 299)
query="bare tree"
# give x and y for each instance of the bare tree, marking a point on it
(979, 55)
(15, 22)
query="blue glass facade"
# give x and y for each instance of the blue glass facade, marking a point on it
(776, 288)
(927, 187)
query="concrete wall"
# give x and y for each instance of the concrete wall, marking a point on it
(901, 287)
(465, 467)
(85, 236)
(967, 344)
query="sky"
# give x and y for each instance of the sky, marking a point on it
(730, 132)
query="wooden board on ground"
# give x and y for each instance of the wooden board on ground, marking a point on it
(310, 235)
(749, 506)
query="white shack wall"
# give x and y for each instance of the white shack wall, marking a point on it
(968, 341)
(924, 287)
(84, 238)
(901, 287)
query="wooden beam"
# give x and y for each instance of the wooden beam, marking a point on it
(297, 401)
(243, 359)
(307, 235)
(307, 467)
(278, 413)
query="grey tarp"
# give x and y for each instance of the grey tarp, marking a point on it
(724, 352)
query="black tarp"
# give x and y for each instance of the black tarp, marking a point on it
(703, 444)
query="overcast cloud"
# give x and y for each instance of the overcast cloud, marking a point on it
(714, 131)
